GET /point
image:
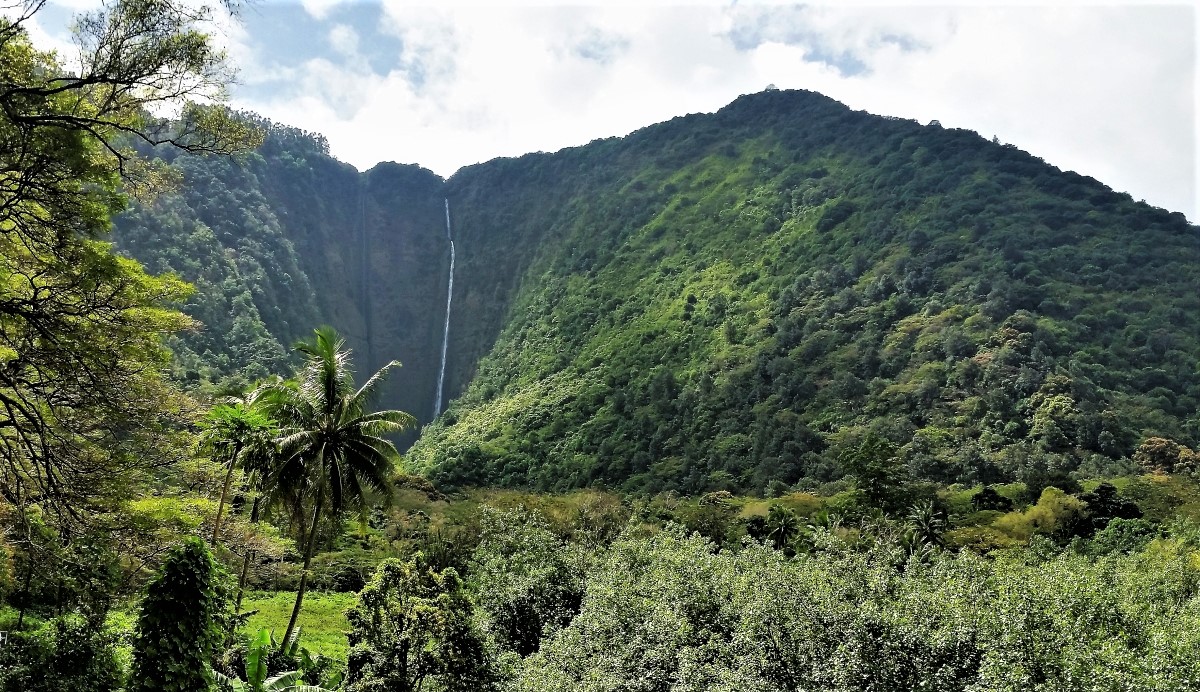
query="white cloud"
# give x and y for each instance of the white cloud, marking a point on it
(319, 9)
(344, 40)
(1108, 91)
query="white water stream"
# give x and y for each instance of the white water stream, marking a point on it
(437, 405)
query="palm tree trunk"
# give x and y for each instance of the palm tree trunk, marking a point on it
(224, 494)
(246, 560)
(308, 553)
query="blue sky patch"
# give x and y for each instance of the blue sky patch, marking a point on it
(290, 35)
(600, 47)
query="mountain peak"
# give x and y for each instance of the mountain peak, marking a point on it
(720, 301)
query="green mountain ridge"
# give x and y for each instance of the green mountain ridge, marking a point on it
(720, 301)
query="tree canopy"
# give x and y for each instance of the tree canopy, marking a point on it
(83, 406)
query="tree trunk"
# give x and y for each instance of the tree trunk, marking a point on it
(246, 561)
(308, 553)
(25, 591)
(237, 608)
(224, 494)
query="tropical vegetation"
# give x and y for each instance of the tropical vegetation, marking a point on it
(782, 397)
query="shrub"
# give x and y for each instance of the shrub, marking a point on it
(1053, 510)
(527, 585)
(67, 654)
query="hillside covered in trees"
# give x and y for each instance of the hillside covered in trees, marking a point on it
(860, 404)
(717, 302)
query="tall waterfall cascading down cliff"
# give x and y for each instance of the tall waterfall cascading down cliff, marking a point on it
(437, 403)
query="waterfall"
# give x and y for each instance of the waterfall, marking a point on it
(437, 405)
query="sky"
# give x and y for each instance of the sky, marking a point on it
(1108, 90)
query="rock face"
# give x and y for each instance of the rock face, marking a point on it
(288, 239)
(716, 302)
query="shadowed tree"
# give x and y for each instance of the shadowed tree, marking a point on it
(331, 445)
(872, 461)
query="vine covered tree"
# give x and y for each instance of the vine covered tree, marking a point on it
(181, 624)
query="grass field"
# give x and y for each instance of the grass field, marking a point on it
(322, 620)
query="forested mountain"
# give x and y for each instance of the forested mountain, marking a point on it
(724, 301)
(745, 304)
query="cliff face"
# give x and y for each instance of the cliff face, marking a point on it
(404, 291)
(719, 301)
(288, 239)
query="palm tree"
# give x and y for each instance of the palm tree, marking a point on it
(331, 446)
(262, 480)
(239, 434)
(782, 526)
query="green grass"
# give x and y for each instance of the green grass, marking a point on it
(322, 619)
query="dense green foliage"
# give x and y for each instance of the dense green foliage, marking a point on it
(527, 581)
(670, 613)
(67, 654)
(703, 303)
(932, 364)
(286, 237)
(596, 591)
(862, 603)
(700, 305)
(83, 409)
(183, 619)
(412, 624)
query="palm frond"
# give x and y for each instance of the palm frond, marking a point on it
(282, 400)
(366, 393)
(389, 415)
(357, 490)
(298, 445)
(372, 451)
(282, 682)
(371, 461)
(336, 478)
(378, 428)
(326, 376)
